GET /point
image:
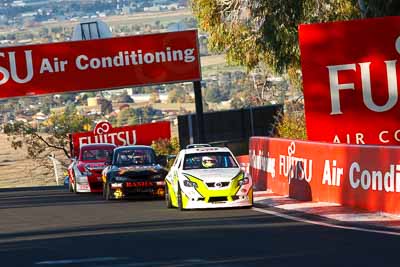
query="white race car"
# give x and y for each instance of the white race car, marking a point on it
(207, 177)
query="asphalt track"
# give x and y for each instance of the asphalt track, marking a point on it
(52, 227)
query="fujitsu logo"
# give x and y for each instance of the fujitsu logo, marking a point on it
(335, 86)
(102, 134)
(102, 128)
(13, 68)
(295, 167)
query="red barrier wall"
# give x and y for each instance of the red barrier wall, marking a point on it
(361, 176)
(258, 180)
(243, 161)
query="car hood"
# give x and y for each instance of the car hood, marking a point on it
(136, 171)
(94, 165)
(213, 175)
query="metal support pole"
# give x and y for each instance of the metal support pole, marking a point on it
(190, 124)
(55, 161)
(199, 111)
(251, 121)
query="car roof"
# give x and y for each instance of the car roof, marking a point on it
(206, 150)
(97, 145)
(132, 147)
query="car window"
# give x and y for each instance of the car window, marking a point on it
(176, 161)
(96, 154)
(209, 161)
(134, 157)
(179, 163)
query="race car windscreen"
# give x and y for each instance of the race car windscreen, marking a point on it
(209, 160)
(100, 154)
(134, 157)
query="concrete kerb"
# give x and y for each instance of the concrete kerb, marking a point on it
(331, 213)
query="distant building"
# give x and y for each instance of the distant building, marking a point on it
(91, 29)
(92, 101)
(152, 9)
(18, 4)
(29, 14)
(176, 27)
(40, 117)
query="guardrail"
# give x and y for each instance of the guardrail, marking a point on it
(57, 172)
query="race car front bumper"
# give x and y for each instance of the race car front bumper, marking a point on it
(83, 187)
(135, 189)
(218, 202)
(85, 184)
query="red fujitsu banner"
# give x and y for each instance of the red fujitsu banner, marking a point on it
(99, 64)
(350, 76)
(143, 134)
(362, 176)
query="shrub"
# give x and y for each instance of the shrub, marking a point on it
(292, 125)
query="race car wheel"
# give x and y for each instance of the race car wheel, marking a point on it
(108, 193)
(180, 205)
(70, 188)
(252, 201)
(104, 190)
(167, 198)
(75, 190)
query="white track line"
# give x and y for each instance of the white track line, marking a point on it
(75, 261)
(298, 219)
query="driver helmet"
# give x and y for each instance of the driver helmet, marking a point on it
(208, 162)
(138, 160)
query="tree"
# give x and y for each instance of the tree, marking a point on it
(132, 116)
(237, 102)
(67, 98)
(105, 106)
(126, 116)
(57, 29)
(264, 33)
(41, 145)
(292, 125)
(213, 95)
(376, 8)
(125, 98)
(166, 147)
(43, 32)
(179, 96)
(45, 109)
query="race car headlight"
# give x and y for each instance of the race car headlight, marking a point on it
(81, 179)
(244, 181)
(120, 179)
(116, 185)
(188, 183)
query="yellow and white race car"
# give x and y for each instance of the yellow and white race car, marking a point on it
(207, 177)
